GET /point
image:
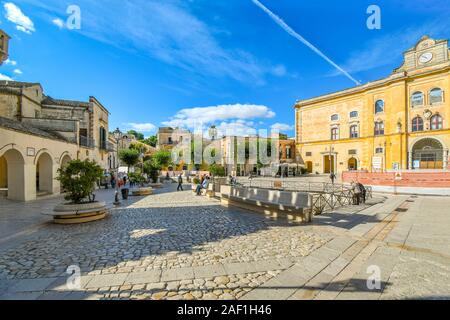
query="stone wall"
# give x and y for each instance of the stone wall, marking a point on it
(418, 179)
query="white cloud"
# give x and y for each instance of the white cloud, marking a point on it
(18, 71)
(279, 71)
(142, 127)
(58, 22)
(15, 15)
(189, 118)
(5, 77)
(236, 128)
(282, 127)
(168, 31)
(11, 62)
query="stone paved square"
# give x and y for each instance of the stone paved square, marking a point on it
(174, 245)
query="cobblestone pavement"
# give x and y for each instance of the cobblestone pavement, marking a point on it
(165, 232)
(178, 246)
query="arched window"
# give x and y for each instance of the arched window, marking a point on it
(417, 99)
(436, 96)
(379, 106)
(354, 114)
(436, 122)
(417, 124)
(354, 131)
(334, 134)
(335, 117)
(379, 128)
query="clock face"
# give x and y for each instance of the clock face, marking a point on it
(426, 57)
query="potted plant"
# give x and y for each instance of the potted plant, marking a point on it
(79, 179)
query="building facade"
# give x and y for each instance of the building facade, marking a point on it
(39, 134)
(168, 138)
(4, 46)
(397, 123)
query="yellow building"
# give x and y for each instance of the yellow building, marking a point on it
(397, 123)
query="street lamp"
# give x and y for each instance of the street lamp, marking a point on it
(117, 135)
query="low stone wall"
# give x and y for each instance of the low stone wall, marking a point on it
(272, 203)
(422, 179)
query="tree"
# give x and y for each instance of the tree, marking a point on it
(79, 178)
(152, 170)
(138, 135)
(217, 170)
(151, 141)
(130, 157)
(162, 158)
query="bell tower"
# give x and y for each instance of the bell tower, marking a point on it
(426, 53)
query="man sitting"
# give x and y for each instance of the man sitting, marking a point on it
(202, 186)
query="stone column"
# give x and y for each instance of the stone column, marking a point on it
(446, 159)
(410, 160)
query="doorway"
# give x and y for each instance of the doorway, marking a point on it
(328, 164)
(352, 164)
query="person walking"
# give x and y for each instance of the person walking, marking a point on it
(180, 183)
(113, 181)
(357, 193)
(363, 193)
(332, 177)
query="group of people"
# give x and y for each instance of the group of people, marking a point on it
(203, 185)
(120, 182)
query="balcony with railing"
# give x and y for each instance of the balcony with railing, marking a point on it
(106, 146)
(86, 142)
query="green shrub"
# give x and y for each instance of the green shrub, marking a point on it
(217, 170)
(152, 170)
(130, 157)
(136, 178)
(79, 179)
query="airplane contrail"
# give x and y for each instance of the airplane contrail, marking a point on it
(291, 31)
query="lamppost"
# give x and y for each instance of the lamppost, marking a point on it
(117, 135)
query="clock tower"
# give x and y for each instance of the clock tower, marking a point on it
(426, 53)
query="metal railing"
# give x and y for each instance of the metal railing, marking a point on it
(86, 142)
(324, 196)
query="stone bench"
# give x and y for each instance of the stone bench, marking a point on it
(142, 191)
(294, 206)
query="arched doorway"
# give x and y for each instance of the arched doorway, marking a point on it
(3, 173)
(44, 175)
(428, 153)
(64, 161)
(12, 174)
(352, 164)
(309, 166)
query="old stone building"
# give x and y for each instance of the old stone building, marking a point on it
(4, 46)
(397, 123)
(39, 134)
(168, 137)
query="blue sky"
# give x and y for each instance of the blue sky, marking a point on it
(223, 62)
